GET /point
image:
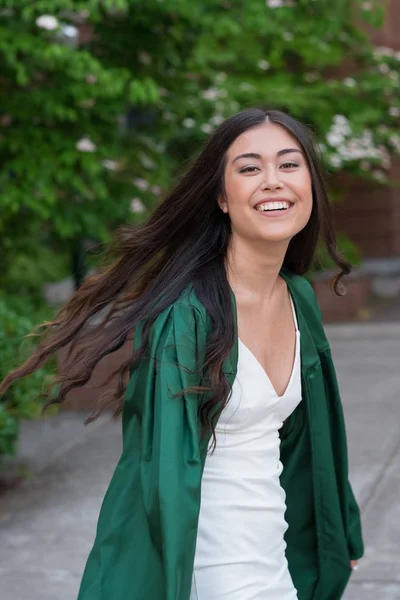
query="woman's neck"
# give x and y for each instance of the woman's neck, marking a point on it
(253, 270)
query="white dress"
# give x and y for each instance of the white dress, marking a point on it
(240, 550)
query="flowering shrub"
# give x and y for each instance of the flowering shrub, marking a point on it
(103, 101)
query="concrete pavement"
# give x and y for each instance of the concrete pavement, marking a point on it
(47, 524)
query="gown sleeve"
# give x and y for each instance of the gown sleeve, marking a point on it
(351, 510)
(338, 431)
(146, 535)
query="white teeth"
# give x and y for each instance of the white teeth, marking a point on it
(273, 206)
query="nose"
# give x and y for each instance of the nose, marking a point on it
(271, 180)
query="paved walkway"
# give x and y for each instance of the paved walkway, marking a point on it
(47, 525)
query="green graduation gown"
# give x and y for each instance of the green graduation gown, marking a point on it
(146, 535)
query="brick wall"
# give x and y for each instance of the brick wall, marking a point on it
(370, 214)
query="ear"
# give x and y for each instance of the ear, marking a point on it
(222, 203)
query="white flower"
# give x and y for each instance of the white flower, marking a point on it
(394, 111)
(341, 125)
(340, 120)
(210, 94)
(367, 5)
(385, 158)
(206, 128)
(91, 79)
(145, 58)
(379, 176)
(274, 3)
(217, 119)
(146, 161)
(85, 145)
(69, 31)
(383, 51)
(335, 160)
(350, 82)
(264, 65)
(384, 68)
(89, 103)
(310, 77)
(112, 165)
(188, 123)
(288, 36)
(220, 77)
(156, 190)
(355, 148)
(137, 206)
(334, 139)
(142, 184)
(394, 140)
(47, 22)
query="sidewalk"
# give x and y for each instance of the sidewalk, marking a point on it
(47, 524)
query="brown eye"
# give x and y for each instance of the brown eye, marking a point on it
(289, 165)
(248, 170)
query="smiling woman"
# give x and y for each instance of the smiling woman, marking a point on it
(267, 172)
(233, 480)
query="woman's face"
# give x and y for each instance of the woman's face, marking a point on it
(268, 193)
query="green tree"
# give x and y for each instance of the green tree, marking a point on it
(91, 122)
(103, 101)
(174, 69)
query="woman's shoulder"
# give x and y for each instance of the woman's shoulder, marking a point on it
(187, 306)
(189, 299)
(184, 316)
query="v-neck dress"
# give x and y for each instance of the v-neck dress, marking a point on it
(240, 549)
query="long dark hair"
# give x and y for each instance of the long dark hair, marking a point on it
(184, 242)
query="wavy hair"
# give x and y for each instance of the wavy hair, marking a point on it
(184, 242)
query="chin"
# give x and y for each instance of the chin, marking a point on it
(280, 234)
(277, 237)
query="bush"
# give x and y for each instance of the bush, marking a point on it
(28, 269)
(103, 101)
(19, 402)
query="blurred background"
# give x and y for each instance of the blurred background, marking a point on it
(102, 105)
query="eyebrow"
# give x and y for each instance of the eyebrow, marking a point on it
(259, 157)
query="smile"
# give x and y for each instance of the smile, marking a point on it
(272, 206)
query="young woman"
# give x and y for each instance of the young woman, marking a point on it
(233, 479)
